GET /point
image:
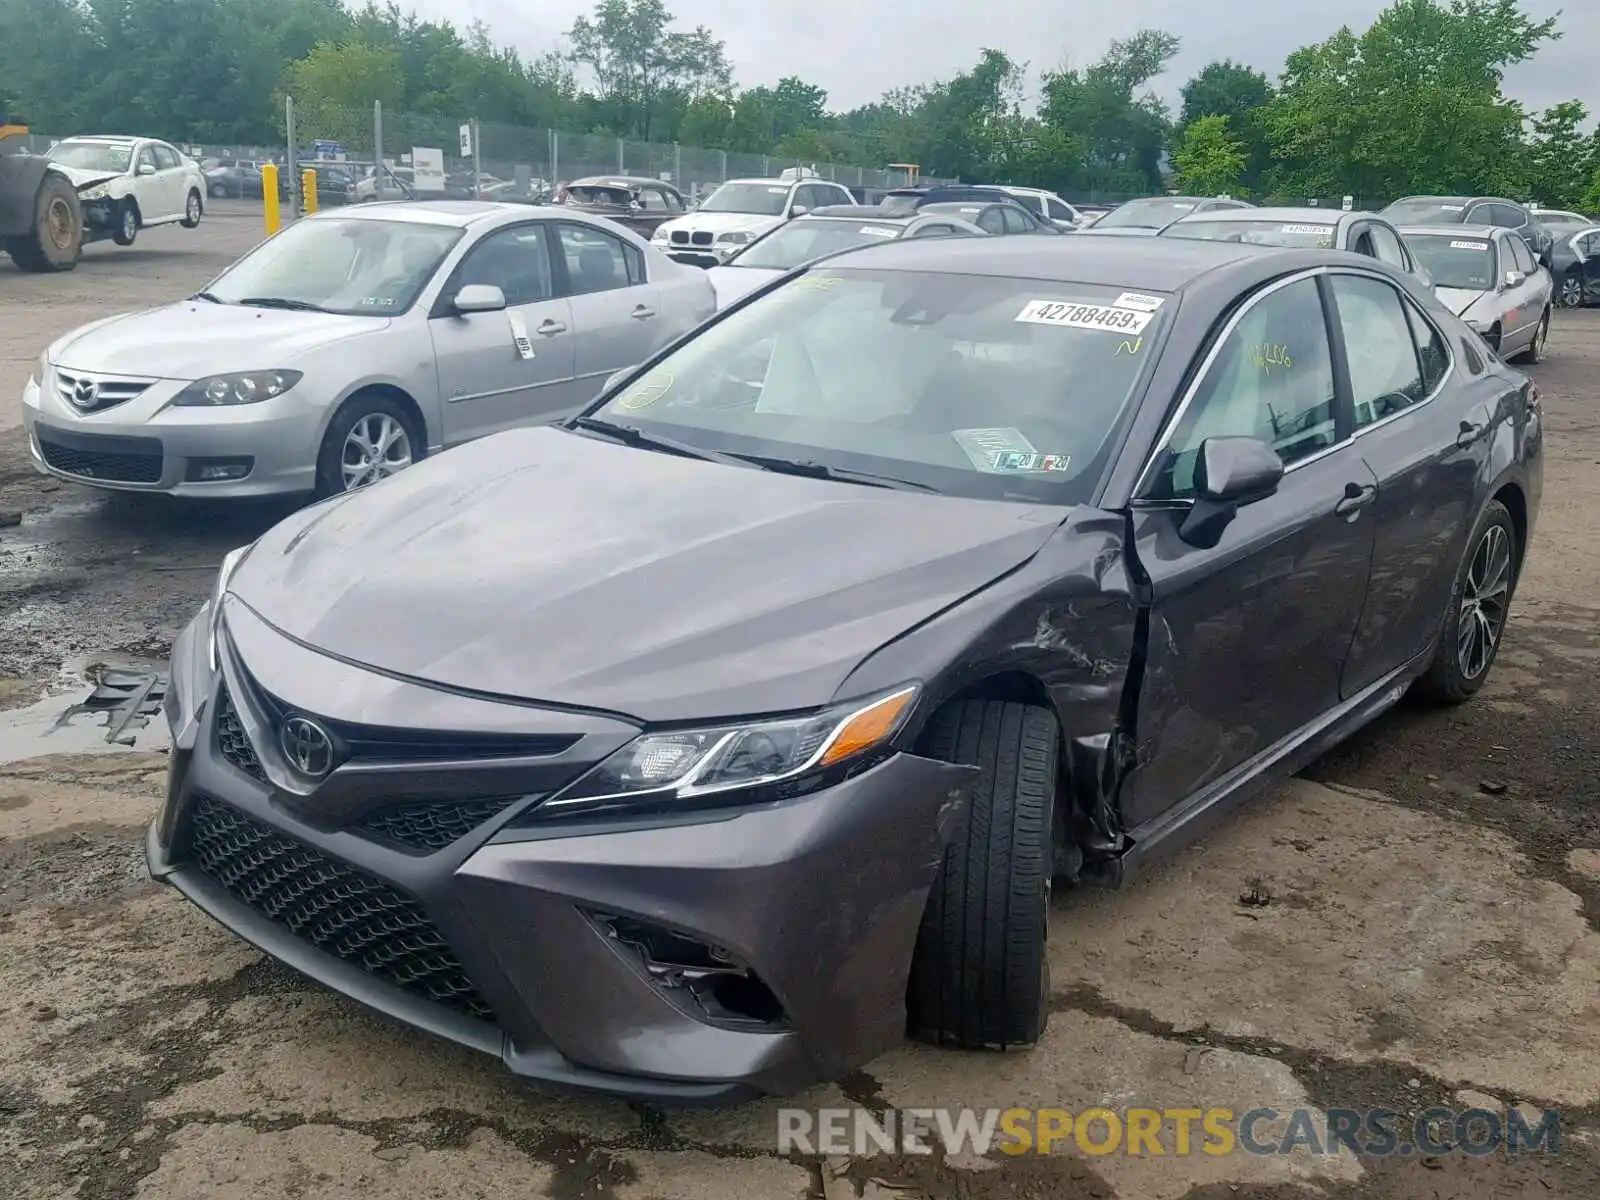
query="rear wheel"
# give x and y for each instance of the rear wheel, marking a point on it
(1571, 293)
(127, 223)
(1477, 608)
(55, 242)
(979, 976)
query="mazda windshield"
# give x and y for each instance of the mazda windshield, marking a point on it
(990, 388)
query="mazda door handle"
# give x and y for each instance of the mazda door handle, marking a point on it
(1469, 434)
(550, 328)
(643, 313)
(1356, 497)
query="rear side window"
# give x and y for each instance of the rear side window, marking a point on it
(1521, 255)
(1016, 220)
(1431, 352)
(1385, 376)
(1058, 210)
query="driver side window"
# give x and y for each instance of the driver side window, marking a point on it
(1272, 379)
(515, 260)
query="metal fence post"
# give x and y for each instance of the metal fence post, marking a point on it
(724, 154)
(377, 149)
(677, 165)
(555, 158)
(477, 161)
(766, 165)
(293, 165)
(622, 161)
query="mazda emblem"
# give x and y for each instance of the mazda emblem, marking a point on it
(85, 392)
(307, 746)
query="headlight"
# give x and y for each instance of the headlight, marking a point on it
(681, 766)
(244, 387)
(733, 239)
(230, 564)
(94, 193)
(41, 370)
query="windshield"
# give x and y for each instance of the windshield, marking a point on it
(91, 156)
(1426, 210)
(765, 199)
(1154, 213)
(1310, 235)
(1033, 204)
(349, 266)
(969, 385)
(1468, 263)
(617, 197)
(804, 240)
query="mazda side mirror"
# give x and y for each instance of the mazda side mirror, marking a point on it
(479, 298)
(1229, 473)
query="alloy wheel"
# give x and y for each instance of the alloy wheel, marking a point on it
(1571, 293)
(376, 447)
(194, 208)
(1485, 598)
(130, 224)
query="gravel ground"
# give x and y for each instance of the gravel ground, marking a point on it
(1429, 933)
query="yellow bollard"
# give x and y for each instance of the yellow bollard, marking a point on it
(269, 197)
(308, 184)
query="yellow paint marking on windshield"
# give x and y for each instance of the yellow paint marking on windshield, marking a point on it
(1132, 347)
(1268, 356)
(645, 396)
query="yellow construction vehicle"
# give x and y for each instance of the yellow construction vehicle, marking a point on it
(41, 217)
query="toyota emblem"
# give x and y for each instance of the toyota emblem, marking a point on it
(307, 746)
(85, 392)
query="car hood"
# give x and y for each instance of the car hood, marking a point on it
(82, 177)
(732, 283)
(1122, 231)
(1459, 300)
(195, 338)
(553, 567)
(751, 223)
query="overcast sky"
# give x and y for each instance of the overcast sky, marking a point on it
(857, 50)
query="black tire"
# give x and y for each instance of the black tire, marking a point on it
(330, 476)
(55, 242)
(1534, 354)
(193, 208)
(128, 222)
(979, 977)
(1447, 680)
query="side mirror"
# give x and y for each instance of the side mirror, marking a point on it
(799, 210)
(1229, 473)
(147, 168)
(1514, 279)
(479, 297)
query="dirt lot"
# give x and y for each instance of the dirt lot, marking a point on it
(1428, 937)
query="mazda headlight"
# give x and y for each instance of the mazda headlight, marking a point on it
(682, 766)
(230, 564)
(737, 238)
(242, 387)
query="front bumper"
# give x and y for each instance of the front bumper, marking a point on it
(819, 898)
(714, 255)
(145, 444)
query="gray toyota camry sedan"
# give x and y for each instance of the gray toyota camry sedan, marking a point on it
(353, 344)
(710, 742)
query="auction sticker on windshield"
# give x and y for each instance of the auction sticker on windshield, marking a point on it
(1137, 300)
(880, 231)
(1313, 230)
(1105, 317)
(1469, 245)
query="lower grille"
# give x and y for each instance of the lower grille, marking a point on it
(433, 825)
(116, 460)
(232, 740)
(335, 907)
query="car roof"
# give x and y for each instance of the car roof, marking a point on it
(856, 212)
(771, 182)
(106, 137)
(1481, 232)
(458, 214)
(1155, 264)
(619, 181)
(1306, 215)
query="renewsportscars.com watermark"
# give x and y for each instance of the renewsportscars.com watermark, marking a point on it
(1154, 1132)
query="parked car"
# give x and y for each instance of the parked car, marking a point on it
(643, 205)
(389, 183)
(243, 181)
(1091, 213)
(1561, 222)
(1314, 228)
(513, 191)
(761, 694)
(996, 217)
(1047, 206)
(1575, 266)
(129, 183)
(1487, 276)
(1474, 210)
(336, 182)
(918, 196)
(737, 213)
(353, 343)
(821, 233)
(1154, 213)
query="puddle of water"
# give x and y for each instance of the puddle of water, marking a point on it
(99, 706)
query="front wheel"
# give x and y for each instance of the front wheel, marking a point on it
(127, 224)
(370, 438)
(1476, 611)
(192, 209)
(979, 976)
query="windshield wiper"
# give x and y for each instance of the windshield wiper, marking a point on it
(207, 296)
(817, 470)
(632, 435)
(282, 302)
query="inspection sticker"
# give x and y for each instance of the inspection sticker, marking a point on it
(519, 334)
(985, 447)
(880, 231)
(1469, 245)
(1106, 317)
(1137, 300)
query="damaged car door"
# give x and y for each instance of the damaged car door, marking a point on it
(1254, 582)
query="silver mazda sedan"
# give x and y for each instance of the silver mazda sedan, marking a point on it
(354, 343)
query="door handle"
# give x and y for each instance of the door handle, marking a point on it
(549, 328)
(1356, 497)
(643, 312)
(1469, 433)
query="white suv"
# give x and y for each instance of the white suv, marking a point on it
(739, 212)
(1047, 206)
(128, 183)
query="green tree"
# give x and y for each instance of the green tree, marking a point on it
(1210, 158)
(1124, 127)
(1229, 89)
(1561, 158)
(1413, 105)
(638, 59)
